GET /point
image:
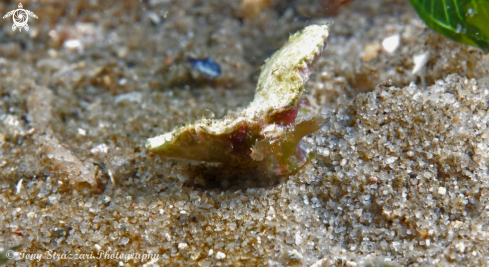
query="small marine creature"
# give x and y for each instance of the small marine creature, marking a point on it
(268, 132)
(206, 66)
(105, 171)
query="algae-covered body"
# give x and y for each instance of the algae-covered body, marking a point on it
(268, 132)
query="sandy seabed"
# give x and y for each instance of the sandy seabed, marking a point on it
(400, 175)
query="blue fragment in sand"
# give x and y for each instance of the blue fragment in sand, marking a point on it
(206, 66)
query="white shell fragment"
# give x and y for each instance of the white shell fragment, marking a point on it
(391, 43)
(420, 60)
(100, 149)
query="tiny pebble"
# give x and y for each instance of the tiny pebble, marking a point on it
(124, 241)
(220, 255)
(182, 246)
(442, 190)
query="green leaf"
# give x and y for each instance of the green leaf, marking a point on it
(465, 21)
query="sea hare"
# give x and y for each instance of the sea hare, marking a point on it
(268, 132)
